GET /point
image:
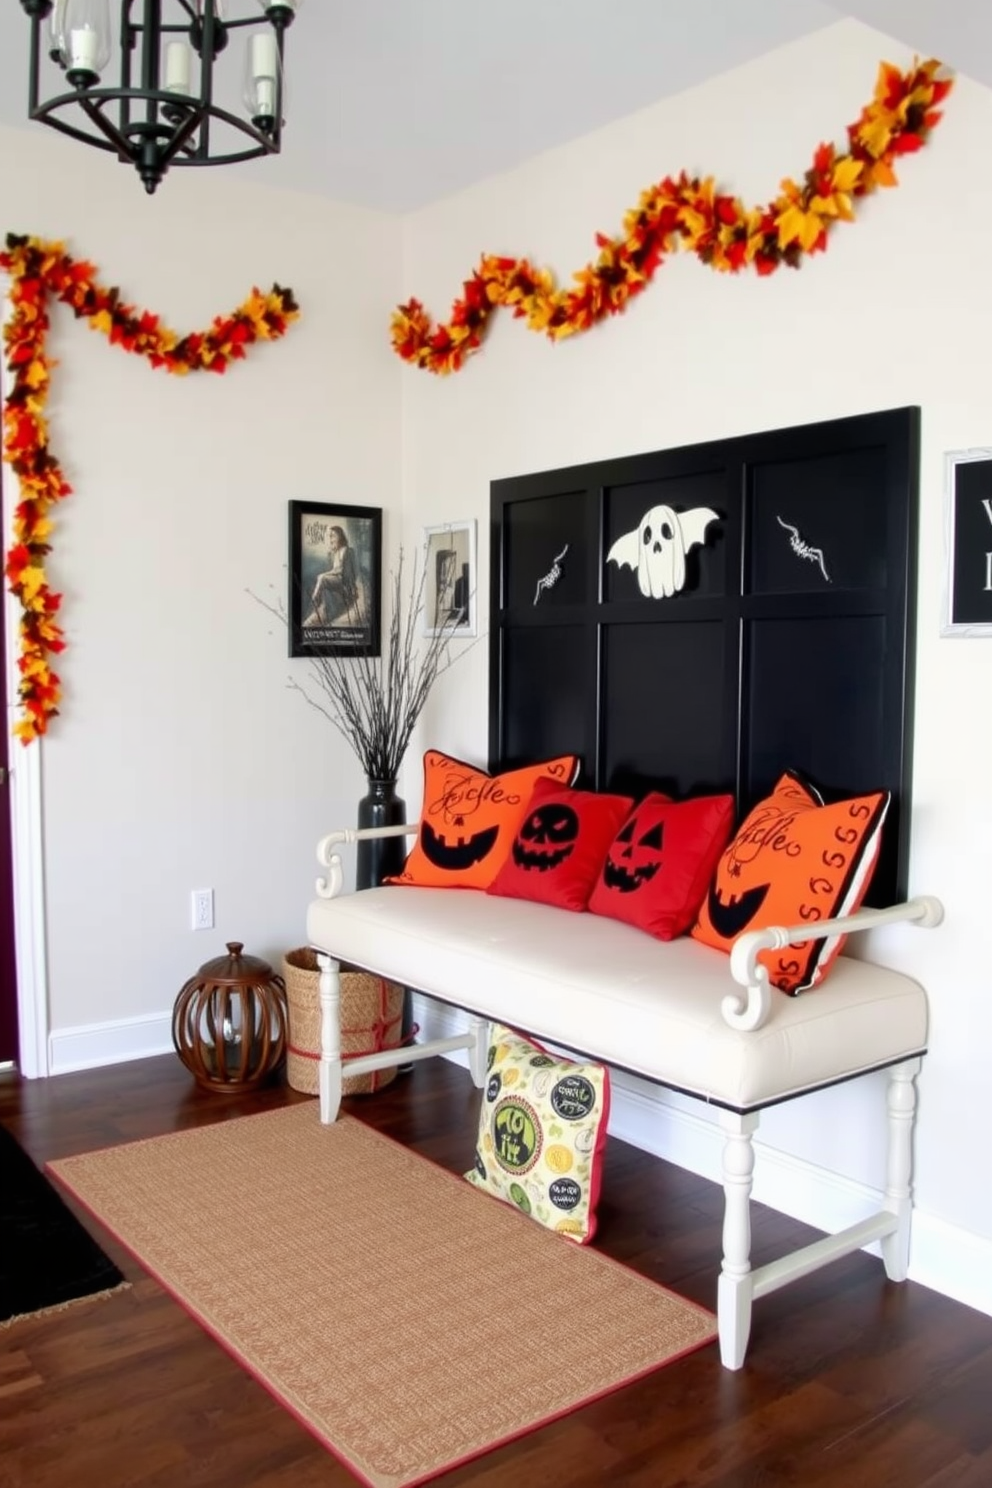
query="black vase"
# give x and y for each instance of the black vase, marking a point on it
(382, 858)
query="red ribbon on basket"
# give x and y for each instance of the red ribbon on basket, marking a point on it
(382, 1030)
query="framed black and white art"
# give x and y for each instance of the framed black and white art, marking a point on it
(449, 589)
(335, 579)
(968, 525)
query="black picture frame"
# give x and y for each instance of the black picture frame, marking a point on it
(335, 591)
(450, 584)
(968, 505)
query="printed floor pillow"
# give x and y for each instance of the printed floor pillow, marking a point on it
(794, 860)
(542, 1134)
(469, 819)
(660, 864)
(560, 845)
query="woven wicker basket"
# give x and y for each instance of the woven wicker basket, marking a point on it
(371, 1019)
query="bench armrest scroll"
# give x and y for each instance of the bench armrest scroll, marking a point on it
(329, 858)
(749, 1009)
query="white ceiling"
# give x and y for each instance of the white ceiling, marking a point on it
(395, 103)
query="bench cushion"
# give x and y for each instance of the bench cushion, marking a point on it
(600, 987)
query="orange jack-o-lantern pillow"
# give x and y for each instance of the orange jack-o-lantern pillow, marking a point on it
(794, 860)
(469, 819)
(659, 866)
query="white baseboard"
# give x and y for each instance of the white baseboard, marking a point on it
(944, 1257)
(92, 1045)
(951, 1260)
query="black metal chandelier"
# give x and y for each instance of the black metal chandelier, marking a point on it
(171, 104)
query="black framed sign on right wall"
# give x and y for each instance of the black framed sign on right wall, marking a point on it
(968, 527)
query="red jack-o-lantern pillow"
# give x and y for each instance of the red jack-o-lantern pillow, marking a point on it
(558, 848)
(794, 860)
(660, 863)
(469, 819)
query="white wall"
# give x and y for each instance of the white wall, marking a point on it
(181, 760)
(896, 312)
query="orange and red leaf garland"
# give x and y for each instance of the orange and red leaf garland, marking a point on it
(38, 271)
(688, 212)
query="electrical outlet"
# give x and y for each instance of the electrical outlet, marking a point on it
(203, 909)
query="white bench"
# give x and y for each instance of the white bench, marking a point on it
(675, 1012)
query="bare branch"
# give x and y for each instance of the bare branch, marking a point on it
(374, 701)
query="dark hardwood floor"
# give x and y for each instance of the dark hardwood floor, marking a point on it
(850, 1380)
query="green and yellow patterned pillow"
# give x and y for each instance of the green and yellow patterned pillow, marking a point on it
(542, 1134)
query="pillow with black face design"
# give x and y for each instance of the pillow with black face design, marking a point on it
(795, 859)
(559, 845)
(469, 819)
(659, 866)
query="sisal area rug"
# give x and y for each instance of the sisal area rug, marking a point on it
(409, 1321)
(47, 1259)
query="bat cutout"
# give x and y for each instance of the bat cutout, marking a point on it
(550, 579)
(803, 549)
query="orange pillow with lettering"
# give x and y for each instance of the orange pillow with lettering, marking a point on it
(794, 859)
(469, 819)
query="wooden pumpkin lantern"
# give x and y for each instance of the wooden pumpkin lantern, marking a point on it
(229, 1022)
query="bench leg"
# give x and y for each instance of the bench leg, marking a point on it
(478, 1055)
(735, 1289)
(901, 1101)
(330, 1037)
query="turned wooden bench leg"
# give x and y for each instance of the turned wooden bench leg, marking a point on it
(901, 1102)
(330, 1037)
(735, 1290)
(478, 1054)
(739, 1284)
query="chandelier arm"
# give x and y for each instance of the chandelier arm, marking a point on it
(179, 138)
(243, 125)
(77, 134)
(234, 157)
(34, 68)
(96, 115)
(94, 97)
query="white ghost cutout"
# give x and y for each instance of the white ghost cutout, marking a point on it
(658, 545)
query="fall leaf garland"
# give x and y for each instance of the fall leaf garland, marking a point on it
(689, 213)
(39, 270)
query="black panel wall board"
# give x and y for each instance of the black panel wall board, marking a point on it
(663, 696)
(703, 618)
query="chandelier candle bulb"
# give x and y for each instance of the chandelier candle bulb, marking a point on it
(177, 68)
(264, 69)
(83, 49)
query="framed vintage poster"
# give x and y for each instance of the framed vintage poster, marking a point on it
(450, 579)
(968, 524)
(335, 579)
